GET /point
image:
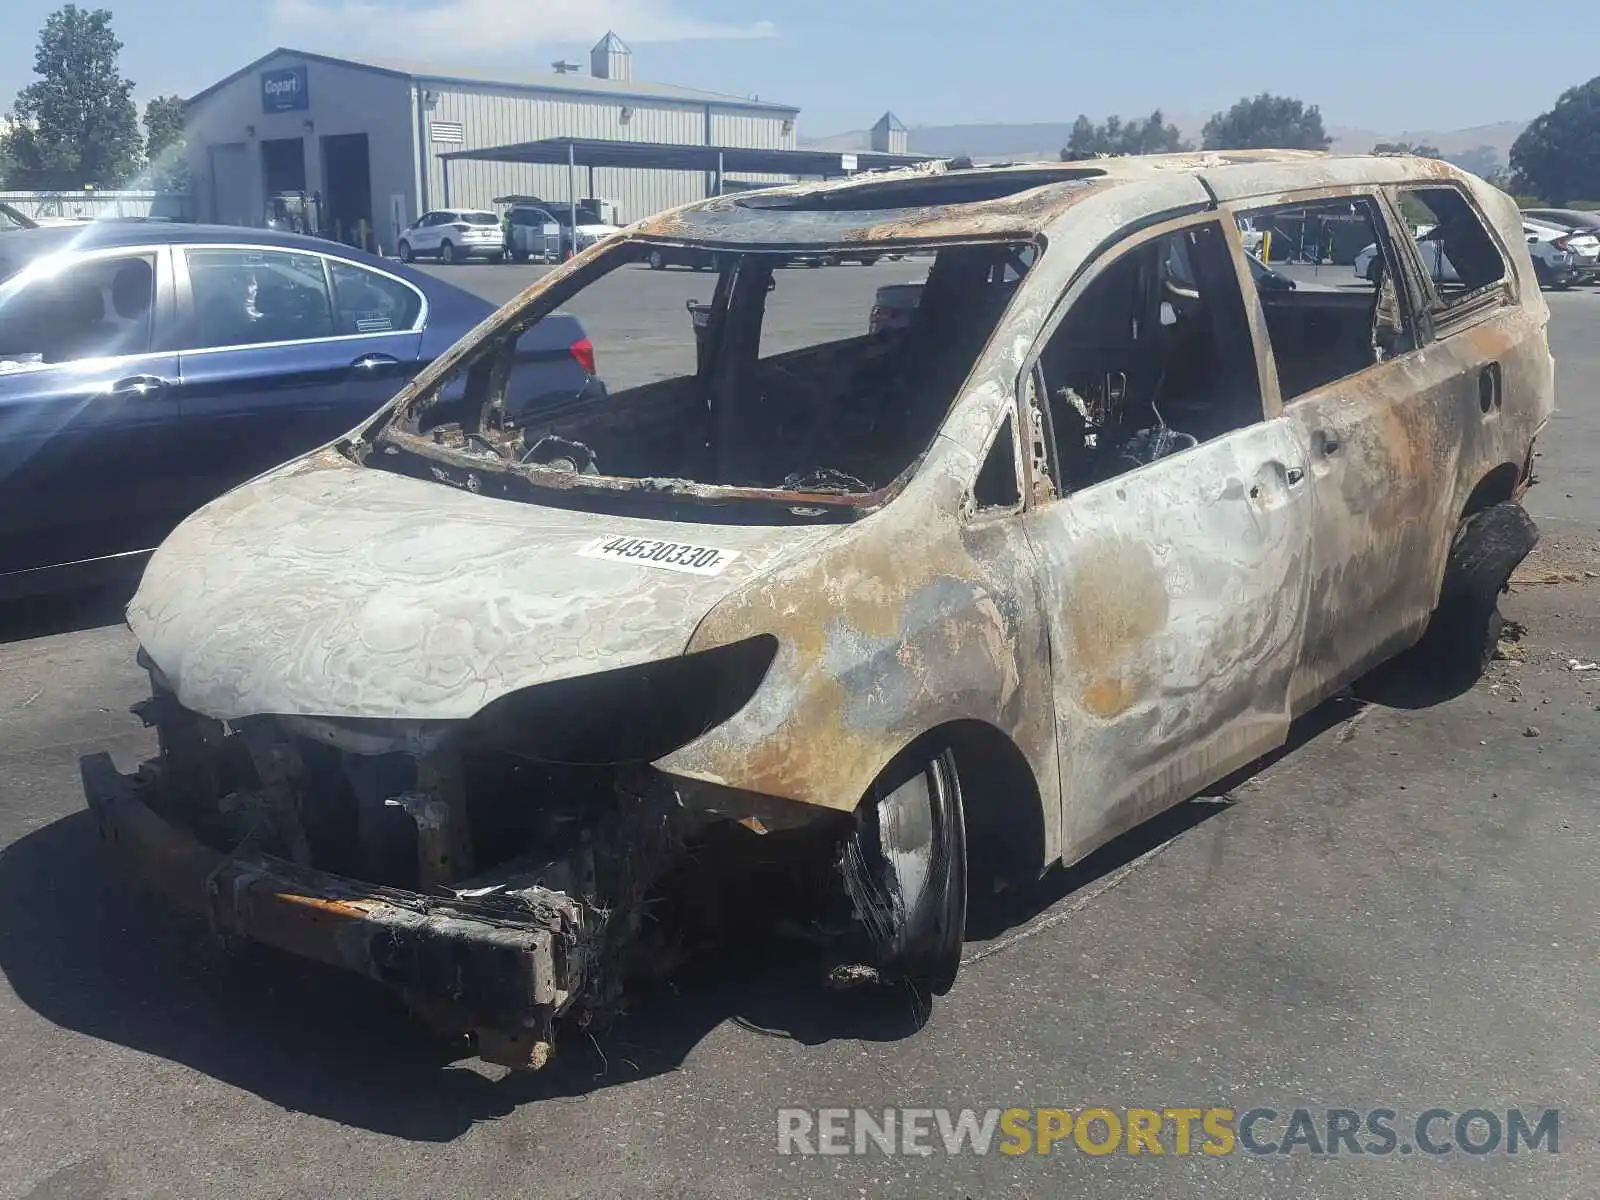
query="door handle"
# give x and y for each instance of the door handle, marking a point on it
(1326, 443)
(371, 362)
(1490, 394)
(140, 387)
(1294, 475)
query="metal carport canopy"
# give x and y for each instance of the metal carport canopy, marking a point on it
(665, 156)
(669, 156)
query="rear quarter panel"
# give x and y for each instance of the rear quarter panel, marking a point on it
(1518, 339)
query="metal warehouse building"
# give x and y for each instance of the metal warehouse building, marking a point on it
(366, 134)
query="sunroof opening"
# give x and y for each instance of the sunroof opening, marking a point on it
(922, 191)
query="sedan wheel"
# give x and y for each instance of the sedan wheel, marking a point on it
(905, 870)
(405, 252)
(447, 252)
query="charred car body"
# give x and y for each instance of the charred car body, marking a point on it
(448, 700)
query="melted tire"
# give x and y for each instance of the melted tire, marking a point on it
(1460, 639)
(905, 871)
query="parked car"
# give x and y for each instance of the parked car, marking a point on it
(1572, 254)
(893, 306)
(694, 258)
(453, 235)
(1252, 237)
(1560, 257)
(1560, 262)
(699, 258)
(146, 368)
(867, 624)
(545, 232)
(1566, 218)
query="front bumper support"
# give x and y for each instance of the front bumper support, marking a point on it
(500, 967)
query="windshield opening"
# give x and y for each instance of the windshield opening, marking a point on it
(728, 374)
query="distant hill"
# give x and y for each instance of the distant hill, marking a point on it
(1045, 139)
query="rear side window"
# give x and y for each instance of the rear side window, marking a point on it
(367, 302)
(1321, 274)
(1458, 254)
(249, 297)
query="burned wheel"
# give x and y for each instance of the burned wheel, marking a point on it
(1460, 639)
(905, 870)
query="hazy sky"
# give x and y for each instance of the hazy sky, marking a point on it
(1446, 65)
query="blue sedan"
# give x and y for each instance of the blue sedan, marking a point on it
(147, 368)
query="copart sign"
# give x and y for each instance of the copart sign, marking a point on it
(284, 90)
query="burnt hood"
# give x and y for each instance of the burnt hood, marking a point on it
(329, 589)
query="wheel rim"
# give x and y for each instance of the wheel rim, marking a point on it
(447, 252)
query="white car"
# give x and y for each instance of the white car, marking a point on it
(1250, 236)
(542, 231)
(453, 235)
(1580, 245)
(1560, 256)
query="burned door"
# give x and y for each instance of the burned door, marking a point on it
(1175, 560)
(1378, 421)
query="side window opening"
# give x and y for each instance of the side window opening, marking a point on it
(1458, 255)
(1323, 276)
(997, 488)
(1153, 358)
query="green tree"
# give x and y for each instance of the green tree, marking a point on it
(164, 145)
(1266, 122)
(8, 163)
(1152, 135)
(1558, 155)
(1480, 160)
(1421, 149)
(77, 123)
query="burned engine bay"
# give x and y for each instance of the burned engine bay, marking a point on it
(843, 418)
(501, 873)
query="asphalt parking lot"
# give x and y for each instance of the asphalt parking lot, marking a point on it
(1400, 911)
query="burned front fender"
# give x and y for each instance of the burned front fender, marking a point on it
(913, 620)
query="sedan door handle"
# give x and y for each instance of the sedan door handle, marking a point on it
(140, 387)
(1326, 443)
(370, 362)
(1293, 475)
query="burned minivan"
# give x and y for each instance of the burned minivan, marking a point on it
(905, 609)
